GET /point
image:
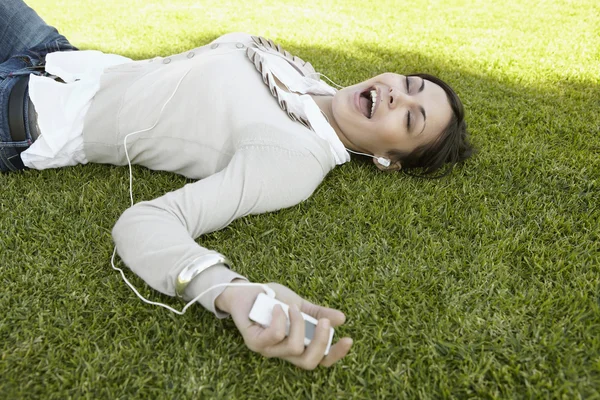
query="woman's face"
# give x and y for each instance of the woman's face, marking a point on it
(390, 112)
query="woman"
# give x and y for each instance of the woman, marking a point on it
(253, 123)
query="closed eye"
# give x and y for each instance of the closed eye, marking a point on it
(408, 116)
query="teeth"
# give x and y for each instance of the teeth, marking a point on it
(373, 100)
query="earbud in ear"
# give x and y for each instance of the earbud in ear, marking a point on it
(383, 161)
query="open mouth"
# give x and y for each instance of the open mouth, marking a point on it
(368, 102)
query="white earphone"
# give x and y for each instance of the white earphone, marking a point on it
(381, 160)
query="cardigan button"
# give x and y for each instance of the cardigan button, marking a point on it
(191, 54)
(239, 45)
(166, 60)
(214, 45)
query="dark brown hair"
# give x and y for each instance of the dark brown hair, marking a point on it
(451, 147)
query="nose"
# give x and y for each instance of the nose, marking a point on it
(398, 97)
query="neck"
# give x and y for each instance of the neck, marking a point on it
(325, 104)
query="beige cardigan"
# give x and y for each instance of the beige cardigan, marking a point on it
(222, 126)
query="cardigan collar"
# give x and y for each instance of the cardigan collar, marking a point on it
(298, 76)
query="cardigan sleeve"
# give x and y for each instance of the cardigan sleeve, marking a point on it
(155, 238)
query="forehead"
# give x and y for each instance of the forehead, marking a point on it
(436, 104)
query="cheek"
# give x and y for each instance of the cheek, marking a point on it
(389, 132)
(392, 136)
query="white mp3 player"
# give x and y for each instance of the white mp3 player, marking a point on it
(262, 312)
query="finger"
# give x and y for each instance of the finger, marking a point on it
(315, 351)
(293, 345)
(337, 352)
(274, 333)
(336, 317)
(290, 297)
(297, 329)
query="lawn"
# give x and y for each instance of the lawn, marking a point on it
(482, 284)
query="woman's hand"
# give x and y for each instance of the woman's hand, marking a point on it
(271, 341)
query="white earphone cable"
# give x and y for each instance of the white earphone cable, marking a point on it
(146, 130)
(330, 80)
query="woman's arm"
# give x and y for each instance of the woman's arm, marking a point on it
(156, 238)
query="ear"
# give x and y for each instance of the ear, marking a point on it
(394, 166)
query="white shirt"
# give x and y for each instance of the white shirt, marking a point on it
(61, 108)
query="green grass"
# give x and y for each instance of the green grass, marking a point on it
(484, 284)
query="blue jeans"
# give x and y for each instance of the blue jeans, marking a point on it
(25, 39)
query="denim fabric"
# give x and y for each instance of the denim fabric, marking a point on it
(25, 39)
